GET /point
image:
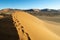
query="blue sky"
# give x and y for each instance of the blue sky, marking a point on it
(28, 4)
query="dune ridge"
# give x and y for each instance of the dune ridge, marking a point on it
(32, 28)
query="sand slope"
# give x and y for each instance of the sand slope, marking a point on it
(32, 28)
(7, 29)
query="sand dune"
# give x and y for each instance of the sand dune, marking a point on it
(32, 28)
(7, 29)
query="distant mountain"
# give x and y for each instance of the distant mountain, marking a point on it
(35, 10)
(49, 10)
(40, 12)
(43, 12)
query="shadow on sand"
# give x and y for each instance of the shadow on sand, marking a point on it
(8, 30)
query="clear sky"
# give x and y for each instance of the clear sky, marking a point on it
(28, 4)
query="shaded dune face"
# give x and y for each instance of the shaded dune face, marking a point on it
(8, 30)
(32, 28)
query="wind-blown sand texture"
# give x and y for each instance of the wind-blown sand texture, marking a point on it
(31, 28)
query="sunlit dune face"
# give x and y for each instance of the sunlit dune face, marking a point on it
(32, 28)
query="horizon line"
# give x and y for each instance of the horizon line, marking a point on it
(29, 8)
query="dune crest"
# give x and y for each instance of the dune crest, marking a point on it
(32, 28)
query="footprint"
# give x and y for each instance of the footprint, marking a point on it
(28, 36)
(22, 27)
(22, 30)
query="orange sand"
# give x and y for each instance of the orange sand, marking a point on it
(37, 29)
